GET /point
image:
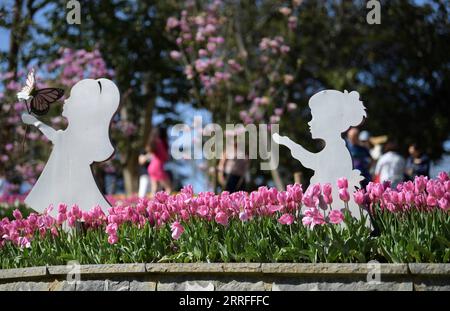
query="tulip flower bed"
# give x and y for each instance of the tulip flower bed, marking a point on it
(410, 224)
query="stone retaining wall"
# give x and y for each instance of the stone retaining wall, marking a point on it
(229, 276)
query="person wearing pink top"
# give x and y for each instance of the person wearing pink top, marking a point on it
(159, 149)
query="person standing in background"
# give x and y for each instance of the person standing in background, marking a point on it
(364, 140)
(158, 147)
(391, 165)
(3, 182)
(360, 154)
(232, 169)
(144, 179)
(417, 163)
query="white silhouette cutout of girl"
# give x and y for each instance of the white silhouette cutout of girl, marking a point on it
(333, 113)
(67, 177)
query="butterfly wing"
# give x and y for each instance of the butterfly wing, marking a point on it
(40, 104)
(26, 91)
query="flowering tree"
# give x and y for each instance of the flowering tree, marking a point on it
(238, 65)
(260, 61)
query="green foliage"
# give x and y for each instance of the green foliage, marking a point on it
(414, 236)
(410, 237)
(6, 210)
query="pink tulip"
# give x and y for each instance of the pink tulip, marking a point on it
(312, 217)
(342, 183)
(17, 214)
(243, 216)
(202, 210)
(177, 230)
(431, 201)
(221, 218)
(443, 176)
(444, 204)
(113, 239)
(336, 217)
(61, 218)
(62, 208)
(420, 183)
(286, 219)
(327, 193)
(24, 242)
(391, 207)
(54, 232)
(358, 196)
(344, 195)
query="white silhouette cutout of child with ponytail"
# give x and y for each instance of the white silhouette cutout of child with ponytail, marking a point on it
(333, 113)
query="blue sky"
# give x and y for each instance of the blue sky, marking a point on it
(4, 39)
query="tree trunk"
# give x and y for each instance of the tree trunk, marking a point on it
(131, 168)
(15, 37)
(131, 174)
(148, 120)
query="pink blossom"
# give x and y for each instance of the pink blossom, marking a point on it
(272, 208)
(313, 217)
(344, 195)
(420, 183)
(62, 208)
(285, 49)
(172, 22)
(61, 218)
(444, 204)
(111, 228)
(234, 65)
(291, 106)
(24, 242)
(17, 214)
(239, 99)
(358, 196)
(292, 22)
(221, 218)
(336, 217)
(342, 183)
(113, 239)
(202, 210)
(431, 201)
(175, 55)
(327, 193)
(211, 47)
(443, 176)
(209, 29)
(202, 53)
(177, 230)
(201, 65)
(54, 232)
(243, 216)
(285, 11)
(391, 207)
(286, 219)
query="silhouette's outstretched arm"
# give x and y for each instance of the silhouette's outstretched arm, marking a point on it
(297, 151)
(48, 131)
